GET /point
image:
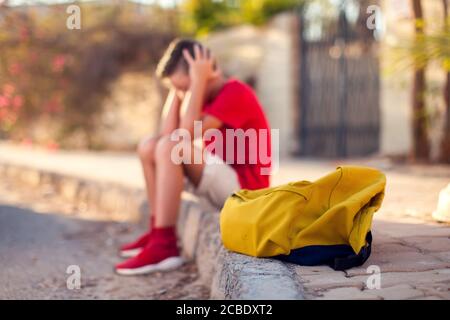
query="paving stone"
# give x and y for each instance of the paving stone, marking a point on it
(441, 289)
(428, 298)
(416, 279)
(380, 238)
(391, 248)
(444, 256)
(398, 292)
(348, 294)
(314, 270)
(407, 261)
(400, 230)
(331, 280)
(431, 244)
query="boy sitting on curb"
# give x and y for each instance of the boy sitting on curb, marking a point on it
(199, 93)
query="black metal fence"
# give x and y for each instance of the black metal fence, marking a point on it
(339, 80)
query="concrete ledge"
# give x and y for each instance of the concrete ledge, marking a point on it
(100, 200)
(242, 277)
(230, 275)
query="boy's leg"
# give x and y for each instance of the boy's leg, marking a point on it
(161, 252)
(146, 151)
(170, 180)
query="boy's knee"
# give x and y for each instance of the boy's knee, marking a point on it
(164, 148)
(147, 148)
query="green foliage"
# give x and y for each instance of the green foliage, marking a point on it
(433, 45)
(204, 16)
(270, 8)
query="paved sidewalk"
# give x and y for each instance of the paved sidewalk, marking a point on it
(411, 250)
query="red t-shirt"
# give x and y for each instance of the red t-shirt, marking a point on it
(245, 130)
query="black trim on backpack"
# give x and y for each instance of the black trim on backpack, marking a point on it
(338, 257)
(355, 260)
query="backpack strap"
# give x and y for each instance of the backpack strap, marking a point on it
(354, 260)
(288, 188)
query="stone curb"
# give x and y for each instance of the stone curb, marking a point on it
(92, 199)
(243, 277)
(230, 275)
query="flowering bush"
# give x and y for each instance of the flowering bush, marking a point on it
(50, 72)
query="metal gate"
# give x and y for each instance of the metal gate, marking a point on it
(339, 80)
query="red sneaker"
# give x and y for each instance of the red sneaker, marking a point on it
(132, 249)
(160, 254)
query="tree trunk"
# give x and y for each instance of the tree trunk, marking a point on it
(421, 144)
(444, 155)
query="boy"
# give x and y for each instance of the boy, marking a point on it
(198, 92)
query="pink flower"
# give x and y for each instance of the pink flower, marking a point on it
(12, 118)
(8, 117)
(8, 90)
(17, 102)
(53, 106)
(32, 56)
(15, 68)
(27, 142)
(24, 34)
(63, 83)
(52, 146)
(4, 102)
(39, 34)
(58, 63)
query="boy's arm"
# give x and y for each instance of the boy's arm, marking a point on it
(201, 70)
(171, 113)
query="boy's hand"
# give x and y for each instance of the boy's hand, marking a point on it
(180, 95)
(201, 66)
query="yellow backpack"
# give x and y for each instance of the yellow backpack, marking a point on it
(309, 223)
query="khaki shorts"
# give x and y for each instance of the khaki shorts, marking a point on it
(218, 181)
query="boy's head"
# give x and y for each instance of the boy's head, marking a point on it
(173, 67)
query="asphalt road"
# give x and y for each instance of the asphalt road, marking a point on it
(36, 248)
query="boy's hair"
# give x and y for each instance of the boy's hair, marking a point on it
(173, 57)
